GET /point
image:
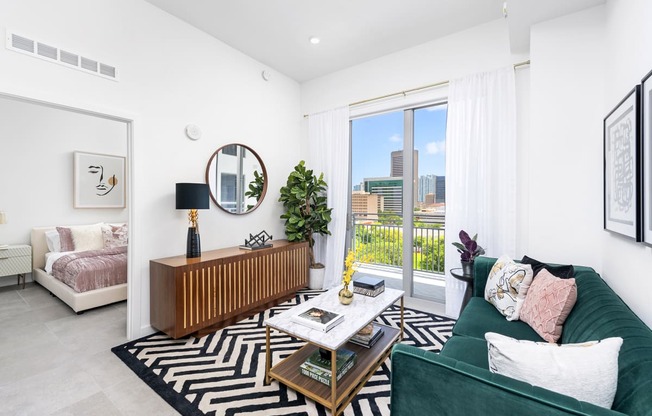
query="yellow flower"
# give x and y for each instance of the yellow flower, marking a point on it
(350, 266)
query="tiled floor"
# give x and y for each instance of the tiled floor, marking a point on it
(54, 362)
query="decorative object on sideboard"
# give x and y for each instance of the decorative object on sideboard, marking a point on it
(306, 213)
(237, 178)
(621, 167)
(99, 181)
(646, 159)
(3, 220)
(469, 250)
(192, 196)
(258, 241)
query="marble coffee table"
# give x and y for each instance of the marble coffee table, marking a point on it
(357, 315)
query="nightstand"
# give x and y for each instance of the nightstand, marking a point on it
(16, 260)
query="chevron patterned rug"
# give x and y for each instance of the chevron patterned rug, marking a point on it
(223, 373)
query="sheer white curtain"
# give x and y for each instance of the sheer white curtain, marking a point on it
(328, 138)
(480, 169)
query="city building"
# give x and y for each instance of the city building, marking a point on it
(396, 169)
(366, 203)
(440, 189)
(430, 199)
(426, 186)
(390, 188)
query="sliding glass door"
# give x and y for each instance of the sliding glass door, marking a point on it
(397, 198)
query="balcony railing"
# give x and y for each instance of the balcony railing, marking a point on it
(379, 239)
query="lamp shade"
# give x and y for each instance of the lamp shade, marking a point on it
(192, 196)
(3, 218)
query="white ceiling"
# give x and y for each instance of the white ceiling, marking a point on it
(276, 32)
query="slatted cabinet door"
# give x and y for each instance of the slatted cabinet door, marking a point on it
(203, 294)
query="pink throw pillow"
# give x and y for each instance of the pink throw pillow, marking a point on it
(548, 303)
(65, 237)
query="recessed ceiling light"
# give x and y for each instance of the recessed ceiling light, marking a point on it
(314, 40)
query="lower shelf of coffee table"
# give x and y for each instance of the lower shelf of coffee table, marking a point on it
(368, 361)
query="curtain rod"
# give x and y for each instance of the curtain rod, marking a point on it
(424, 87)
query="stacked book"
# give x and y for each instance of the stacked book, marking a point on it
(319, 319)
(319, 368)
(368, 335)
(368, 286)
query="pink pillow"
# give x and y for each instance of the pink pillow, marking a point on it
(548, 303)
(65, 237)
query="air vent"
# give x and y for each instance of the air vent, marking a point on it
(69, 59)
(22, 43)
(46, 51)
(88, 64)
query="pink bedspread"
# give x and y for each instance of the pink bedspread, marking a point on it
(95, 269)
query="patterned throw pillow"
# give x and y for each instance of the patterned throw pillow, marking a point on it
(586, 371)
(548, 303)
(507, 286)
(114, 235)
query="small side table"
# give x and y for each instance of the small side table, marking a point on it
(468, 279)
(16, 260)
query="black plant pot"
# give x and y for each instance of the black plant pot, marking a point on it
(467, 268)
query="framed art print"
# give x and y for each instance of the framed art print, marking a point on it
(99, 181)
(646, 151)
(622, 167)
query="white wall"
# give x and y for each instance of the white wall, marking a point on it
(626, 265)
(565, 150)
(170, 75)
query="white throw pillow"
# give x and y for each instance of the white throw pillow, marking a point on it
(586, 371)
(53, 241)
(87, 237)
(507, 286)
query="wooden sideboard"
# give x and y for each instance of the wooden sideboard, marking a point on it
(203, 294)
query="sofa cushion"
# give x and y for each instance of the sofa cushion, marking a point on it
(586, 371)
(548, 304)
(480, 317)
(507, 286)
(561, 271)
(467, 349)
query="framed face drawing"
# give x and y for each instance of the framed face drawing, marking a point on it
(99, 181)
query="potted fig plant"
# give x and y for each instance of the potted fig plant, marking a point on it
(469, 250)
(306, 214)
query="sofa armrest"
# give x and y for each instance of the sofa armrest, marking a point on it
(481, 268)
(425, 383)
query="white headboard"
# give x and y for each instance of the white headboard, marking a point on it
(39, 246)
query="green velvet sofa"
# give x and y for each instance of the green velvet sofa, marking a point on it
(458, 382)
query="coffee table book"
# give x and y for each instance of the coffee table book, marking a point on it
(318, 318)
(322, 375)
(368, 341)
(368, 282)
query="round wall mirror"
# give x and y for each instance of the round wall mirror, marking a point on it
(237, 178)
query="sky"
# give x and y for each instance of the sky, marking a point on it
(374, 138)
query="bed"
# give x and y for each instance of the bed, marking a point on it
(78, 301)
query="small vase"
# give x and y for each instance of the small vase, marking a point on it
(345, 295)
(467, 268)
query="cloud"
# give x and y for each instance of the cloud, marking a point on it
(395, 138)
(433, 148)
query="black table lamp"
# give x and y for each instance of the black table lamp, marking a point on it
(192, 196)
